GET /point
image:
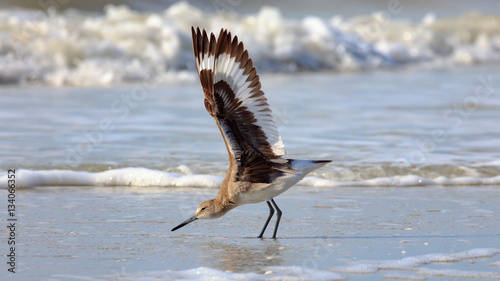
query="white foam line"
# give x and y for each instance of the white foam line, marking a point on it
(336, 273)
(139, 177)
(301, 273)
(411, 263)
(147, 177)
(407, 180)
(205, 273)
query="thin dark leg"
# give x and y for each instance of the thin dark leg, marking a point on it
(271, 213)
(277, 219)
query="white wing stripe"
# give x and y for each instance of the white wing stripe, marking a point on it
(226, 68)
(238, 81)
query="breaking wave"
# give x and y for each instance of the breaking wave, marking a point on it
(125, 46)
(143, 177)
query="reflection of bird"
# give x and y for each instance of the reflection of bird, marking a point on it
(257, 172)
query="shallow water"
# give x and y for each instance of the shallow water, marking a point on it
(59, 46)
(371, 215)
(411, 127)
(123, 233)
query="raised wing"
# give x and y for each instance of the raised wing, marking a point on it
(234, 98)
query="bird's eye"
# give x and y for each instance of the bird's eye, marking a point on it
(203, 208)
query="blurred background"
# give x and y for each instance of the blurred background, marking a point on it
(85, 43)
(323, 8)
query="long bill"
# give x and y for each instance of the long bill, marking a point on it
(191, 219)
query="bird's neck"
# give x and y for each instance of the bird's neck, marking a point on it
(224, 201)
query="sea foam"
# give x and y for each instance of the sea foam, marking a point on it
(143, 177)
(405, 180)
(413, 265)
(414, 262)
(139, 177)
(122, 45)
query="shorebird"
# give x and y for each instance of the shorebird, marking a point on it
(233, 97)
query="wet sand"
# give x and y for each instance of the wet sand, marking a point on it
(122, 233)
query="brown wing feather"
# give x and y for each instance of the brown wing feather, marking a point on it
(238, 116)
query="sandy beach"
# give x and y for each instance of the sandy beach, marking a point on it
(123, 233)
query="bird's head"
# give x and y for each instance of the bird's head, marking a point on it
(206, 210)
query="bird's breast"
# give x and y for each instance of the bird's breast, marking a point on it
(260, 192)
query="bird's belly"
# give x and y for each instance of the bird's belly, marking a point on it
(264, 191)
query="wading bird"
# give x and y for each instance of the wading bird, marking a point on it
(233, 97)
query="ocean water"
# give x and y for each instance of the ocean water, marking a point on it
(104, 176)
(343, 233)
(409, 127)
(102, 117)
(56, 46)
